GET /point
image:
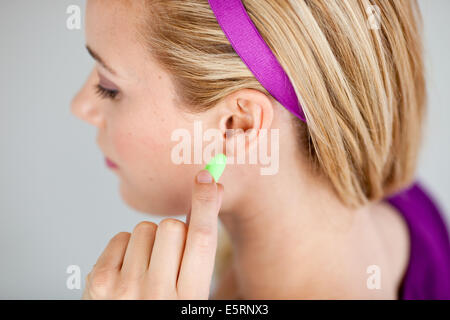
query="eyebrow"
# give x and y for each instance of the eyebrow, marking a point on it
(97, 57)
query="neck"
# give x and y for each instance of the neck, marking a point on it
(288, 220)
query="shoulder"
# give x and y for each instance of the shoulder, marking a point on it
(383, 243)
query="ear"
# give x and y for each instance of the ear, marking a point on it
(247, 111)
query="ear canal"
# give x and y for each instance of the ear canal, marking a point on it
(229, 123)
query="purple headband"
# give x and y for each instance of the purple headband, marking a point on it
(256, 54)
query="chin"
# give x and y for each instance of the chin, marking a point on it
(161, 207)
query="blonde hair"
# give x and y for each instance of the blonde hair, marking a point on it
(362, 88)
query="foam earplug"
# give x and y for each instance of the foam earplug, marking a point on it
(216, 166)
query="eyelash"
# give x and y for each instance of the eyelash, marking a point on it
(105, 93)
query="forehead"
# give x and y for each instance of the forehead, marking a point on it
(119, 12)
(112, 32)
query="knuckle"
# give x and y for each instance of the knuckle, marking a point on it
(172, 225)
(145, 226)
(121, 236)
(100, 280)
(125, 290)
(204, 229)
(157, 285)
(203, 236)
(159, 290)
(205, 195)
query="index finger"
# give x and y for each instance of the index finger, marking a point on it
(199, 254)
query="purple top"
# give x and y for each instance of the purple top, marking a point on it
(428, 273)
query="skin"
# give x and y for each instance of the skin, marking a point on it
(292, 238)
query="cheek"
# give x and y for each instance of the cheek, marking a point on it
(150, 181)
(138, 147)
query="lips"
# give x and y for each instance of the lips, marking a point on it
(110, 164)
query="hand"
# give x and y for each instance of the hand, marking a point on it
(172, 260)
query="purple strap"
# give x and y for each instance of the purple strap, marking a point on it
(256, 54)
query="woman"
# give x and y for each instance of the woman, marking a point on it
(339, 217)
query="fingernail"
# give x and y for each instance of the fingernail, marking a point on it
(204, 177)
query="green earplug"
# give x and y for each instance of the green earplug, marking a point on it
(216, 166)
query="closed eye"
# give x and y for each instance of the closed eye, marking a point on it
(105, 93)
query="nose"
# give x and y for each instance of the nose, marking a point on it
(85, 106)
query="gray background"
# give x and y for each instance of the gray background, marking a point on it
(59, 204)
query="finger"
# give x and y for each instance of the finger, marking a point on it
(188, 217)
(167, 254)
(219, 200)
(112, 256)
(139, 250)
(200, 249)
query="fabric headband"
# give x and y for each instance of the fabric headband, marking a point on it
(255, 53)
